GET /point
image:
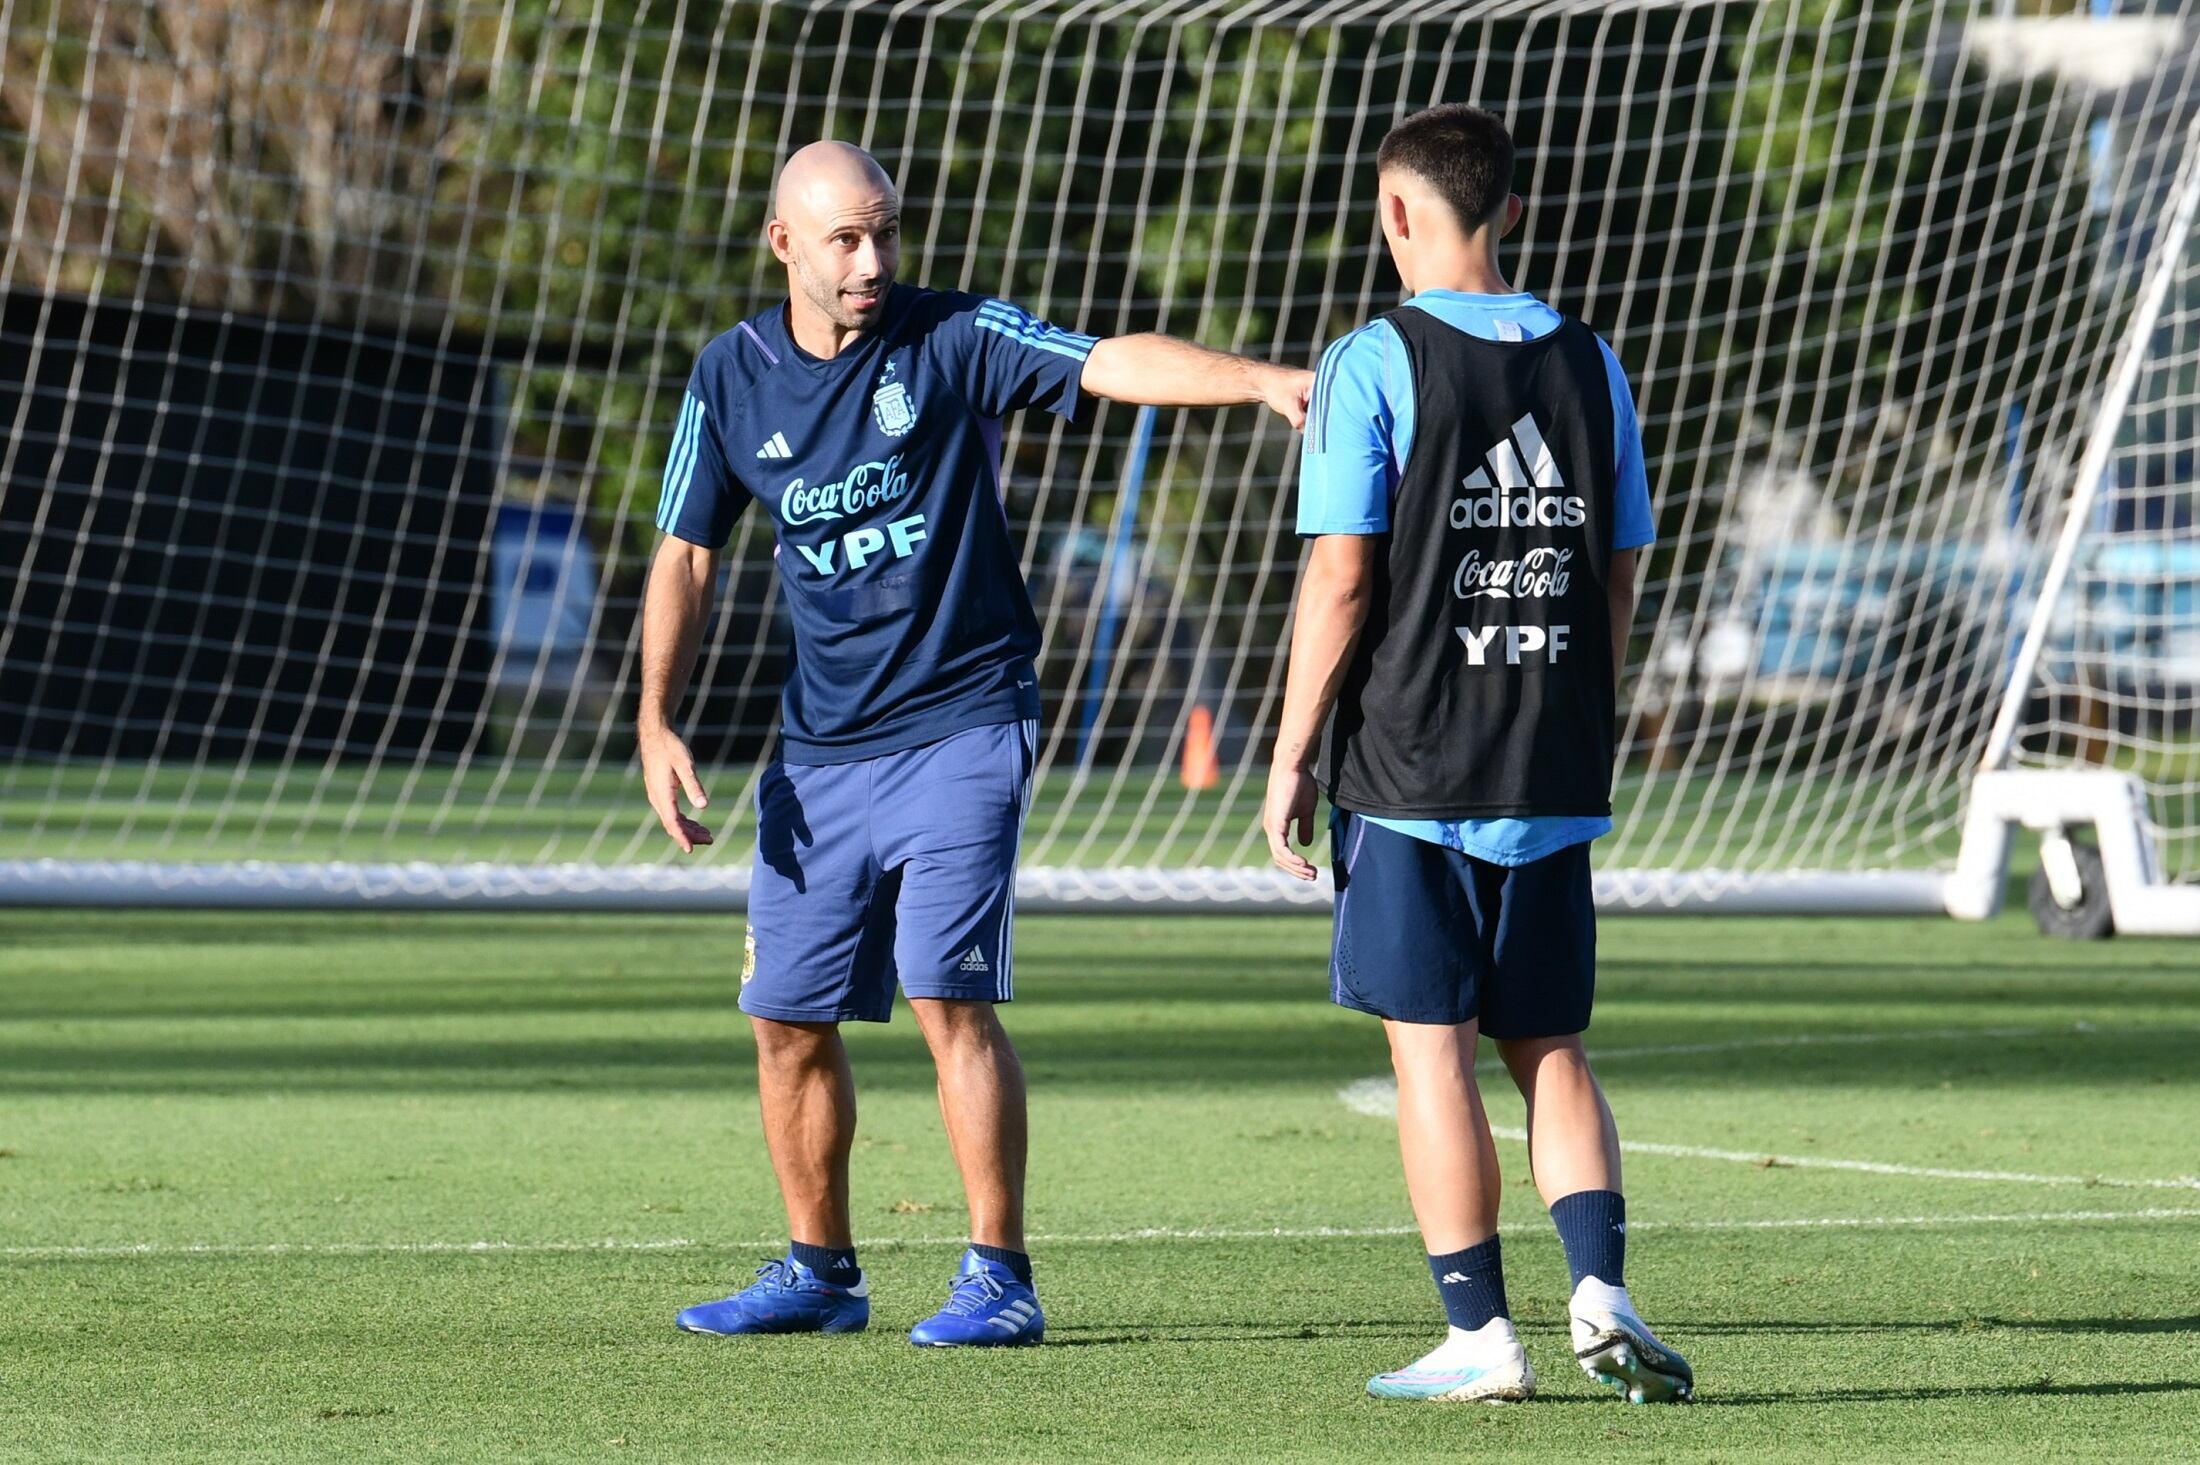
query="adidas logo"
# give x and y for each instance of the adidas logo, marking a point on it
(776, 448)
(1011, 1319)
(1450, 1277)
(1493, 500)
(974, 961)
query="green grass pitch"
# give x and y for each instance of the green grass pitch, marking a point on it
(370, 1187)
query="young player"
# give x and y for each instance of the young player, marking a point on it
(864, 416)
(1473, 482)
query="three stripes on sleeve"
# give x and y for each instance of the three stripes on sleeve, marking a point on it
(1004, 319)
(687, 440)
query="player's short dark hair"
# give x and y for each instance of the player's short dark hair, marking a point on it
(1463, 152)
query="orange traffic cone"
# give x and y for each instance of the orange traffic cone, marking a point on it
(1201, 769)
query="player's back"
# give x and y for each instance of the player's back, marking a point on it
(1489, 649)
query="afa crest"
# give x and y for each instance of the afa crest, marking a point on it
(896, 414)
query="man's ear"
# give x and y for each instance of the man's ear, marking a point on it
(1515, 206)
(782, 242)
(1393, 207)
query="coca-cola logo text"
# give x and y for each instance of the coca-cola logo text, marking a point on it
(1540, 574)
(865, 487)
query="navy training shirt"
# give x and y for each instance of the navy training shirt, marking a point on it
(880, 468)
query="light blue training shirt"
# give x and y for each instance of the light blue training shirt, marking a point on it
(1359, 431)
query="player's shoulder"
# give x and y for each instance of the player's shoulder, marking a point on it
(921, 310)
(917, 315)
(931, 312)
(1362, 357)
(1615, 370)
(923, 303)
(1351, 380)
(739, 357)
(1567, 319)
(1370, 341)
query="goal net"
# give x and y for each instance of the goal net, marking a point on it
(343, 345)
(2107, 677)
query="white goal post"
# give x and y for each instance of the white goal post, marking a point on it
(340, 350)
(2070, 785)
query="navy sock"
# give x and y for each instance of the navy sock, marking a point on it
(833, 1264)
(1592, 1226)
(1016, 1261)
(1472, 1284)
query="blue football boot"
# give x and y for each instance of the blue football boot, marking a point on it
(786, 1297)
(987, 1308)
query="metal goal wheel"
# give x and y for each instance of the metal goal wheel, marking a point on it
(2068, 893)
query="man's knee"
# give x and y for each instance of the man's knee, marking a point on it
(1439, 1044)
(954, 1023)
(795, 1045)
(1532, 1060)
(1566, 1045)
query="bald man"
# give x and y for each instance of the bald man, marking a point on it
(864, 415)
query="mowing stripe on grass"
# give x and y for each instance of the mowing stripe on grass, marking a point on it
(1835, 1040)
(1378, 1099)
(161, 1251)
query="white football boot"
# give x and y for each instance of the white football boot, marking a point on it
(1487, 1364)
(1617, 1348)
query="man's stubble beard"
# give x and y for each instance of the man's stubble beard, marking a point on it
(826, 297)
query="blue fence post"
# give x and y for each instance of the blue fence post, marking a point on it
(2013, 583)
(1118, 570)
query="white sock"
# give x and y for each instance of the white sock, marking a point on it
(1596, 1294)
(1494, 1336)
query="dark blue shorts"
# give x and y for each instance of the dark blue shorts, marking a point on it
(1428, 934)
(896, 869)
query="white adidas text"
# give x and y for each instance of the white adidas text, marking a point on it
(1489, 507)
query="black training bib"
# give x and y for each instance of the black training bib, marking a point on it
(1482, 684)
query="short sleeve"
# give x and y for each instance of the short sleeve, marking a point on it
(1347, 461)
(1633, 524)
(701, 498)
(1008, 360)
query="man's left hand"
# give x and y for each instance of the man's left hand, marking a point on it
(1290, 803)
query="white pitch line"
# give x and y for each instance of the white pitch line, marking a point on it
(156, 1251)
(1378, 1099)
(2025, 1218)
(1880, 1167)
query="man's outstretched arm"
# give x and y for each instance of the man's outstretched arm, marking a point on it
(674, 608)
(1332, 611)
(1161, 371)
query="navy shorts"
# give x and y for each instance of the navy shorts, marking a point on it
(1431, 935)
(896, 869)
